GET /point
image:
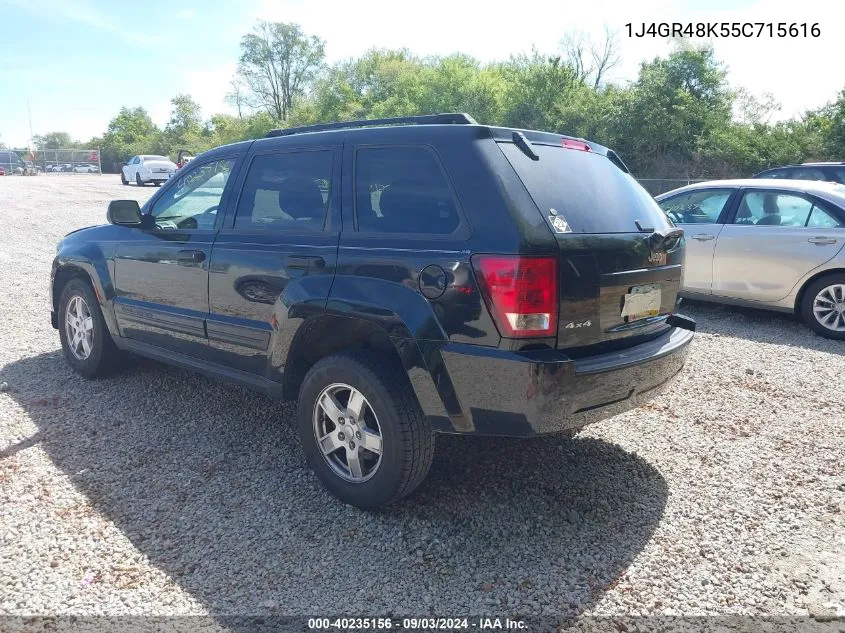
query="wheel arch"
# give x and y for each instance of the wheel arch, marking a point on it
(799, 296)
(323, 335)
(87, 271)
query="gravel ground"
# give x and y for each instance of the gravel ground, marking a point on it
(161, 492)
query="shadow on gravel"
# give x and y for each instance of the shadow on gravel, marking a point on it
(763, 326)
(208, 481)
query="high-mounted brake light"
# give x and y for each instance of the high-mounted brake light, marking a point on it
(520, 292)
(571, 143)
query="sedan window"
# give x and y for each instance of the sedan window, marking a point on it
(696, 207)
(821, 219)
(770, 208)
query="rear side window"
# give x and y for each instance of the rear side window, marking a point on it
(589, 192)
(286, 192)
(821, 219)
(770, 208)
(403, 190)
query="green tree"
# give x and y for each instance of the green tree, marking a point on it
(131, 132)
(53, 140)
(185, 116)
(278, 64)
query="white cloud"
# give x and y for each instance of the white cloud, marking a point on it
(186, 14)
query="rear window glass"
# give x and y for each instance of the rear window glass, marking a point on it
(403, 190)
(586, 190)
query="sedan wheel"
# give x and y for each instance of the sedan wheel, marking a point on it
(823, 306)
(79, 328)
(829, 307)
(348, 432)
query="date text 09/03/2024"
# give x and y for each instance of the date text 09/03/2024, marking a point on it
(417, 623)
(723, 29)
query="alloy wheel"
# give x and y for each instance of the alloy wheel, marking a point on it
(829, 307)
(348, 433)
(79, 328)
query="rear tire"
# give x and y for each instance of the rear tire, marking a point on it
(138, 180)
(97, 355)
(406, 441)
(823, 306)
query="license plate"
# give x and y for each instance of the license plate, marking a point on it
(642, 302)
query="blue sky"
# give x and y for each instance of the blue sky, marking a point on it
(78, 61)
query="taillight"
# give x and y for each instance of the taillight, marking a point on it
(520, 292)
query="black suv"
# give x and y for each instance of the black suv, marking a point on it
(833, 172)
(399, 278)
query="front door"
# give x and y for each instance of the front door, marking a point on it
(773, 241)
(699, 213)
(274, 260)
(161, 273)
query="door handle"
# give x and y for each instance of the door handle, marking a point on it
(305, 262)
(822, 240)
(191, 257)
(704, 237)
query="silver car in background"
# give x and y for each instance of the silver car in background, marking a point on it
(766, 244)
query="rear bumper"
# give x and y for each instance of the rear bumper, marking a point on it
(522, 394)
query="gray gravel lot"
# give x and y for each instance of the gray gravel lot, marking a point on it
(162, 492)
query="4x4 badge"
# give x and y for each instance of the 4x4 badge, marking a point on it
(559, 223)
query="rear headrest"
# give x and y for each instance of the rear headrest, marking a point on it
(300, 198)
(409, 205)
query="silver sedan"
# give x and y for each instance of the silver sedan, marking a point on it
(766, 244)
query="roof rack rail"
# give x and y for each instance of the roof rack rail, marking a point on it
(454, 118)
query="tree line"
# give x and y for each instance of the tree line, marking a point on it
(679, 118)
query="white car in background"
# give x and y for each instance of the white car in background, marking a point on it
(147, 168)
(773, 244)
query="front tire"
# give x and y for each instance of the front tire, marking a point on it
(138, 180)
(86, 341)
(362, 430)
(823, 306)
(123, 178)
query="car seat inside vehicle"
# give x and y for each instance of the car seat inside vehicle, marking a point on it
(408, 206)
(771, 211)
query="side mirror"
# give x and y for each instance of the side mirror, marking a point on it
(125, 163)
(124, 213)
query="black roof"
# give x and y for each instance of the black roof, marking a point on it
(414, 129)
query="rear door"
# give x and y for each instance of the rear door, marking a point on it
(614, 286)
(700, 213)
(274, 260)
(773, 240)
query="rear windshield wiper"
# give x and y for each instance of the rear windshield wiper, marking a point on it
(525, 145)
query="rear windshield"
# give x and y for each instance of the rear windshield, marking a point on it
(584, 189)
(162, 158)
